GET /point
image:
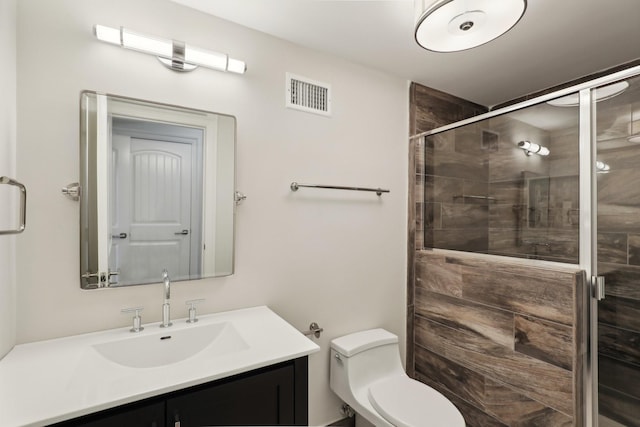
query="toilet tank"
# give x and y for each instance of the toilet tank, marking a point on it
(361, 358)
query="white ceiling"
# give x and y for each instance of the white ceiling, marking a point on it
(556, 41)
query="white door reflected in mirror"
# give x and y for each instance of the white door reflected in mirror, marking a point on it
(158, 192)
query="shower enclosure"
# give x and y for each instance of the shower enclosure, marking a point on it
(556, 178)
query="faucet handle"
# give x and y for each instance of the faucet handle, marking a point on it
(137, 320)
(192, 309)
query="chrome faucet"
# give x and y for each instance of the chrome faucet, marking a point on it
(166, 318)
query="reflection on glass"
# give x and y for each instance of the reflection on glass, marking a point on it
(484, 193)
(158, 192)
(618, 256)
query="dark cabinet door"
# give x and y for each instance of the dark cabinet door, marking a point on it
(273, 395)
(137, 415)
(267, 398)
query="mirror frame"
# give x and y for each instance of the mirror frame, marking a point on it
(94, 262)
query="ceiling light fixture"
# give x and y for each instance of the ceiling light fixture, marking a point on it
(533, 148)
(454, 25)
(601, 94)
(174, 54)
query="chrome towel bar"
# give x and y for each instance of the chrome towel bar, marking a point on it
(295, 186)
(23, 205)
(466, 196)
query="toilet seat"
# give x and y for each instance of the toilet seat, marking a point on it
(405, 402)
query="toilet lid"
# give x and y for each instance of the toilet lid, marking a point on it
(408, 403)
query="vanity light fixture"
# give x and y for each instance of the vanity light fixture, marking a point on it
(454, 25)
(174, 54)
(533, 148)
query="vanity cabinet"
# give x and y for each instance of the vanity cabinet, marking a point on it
(274, 395)
(142, 414)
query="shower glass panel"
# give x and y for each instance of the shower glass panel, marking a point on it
(506, 185)
(617, 137)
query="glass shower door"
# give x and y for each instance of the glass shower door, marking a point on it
(617, 138)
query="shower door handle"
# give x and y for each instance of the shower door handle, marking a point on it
(597, 283)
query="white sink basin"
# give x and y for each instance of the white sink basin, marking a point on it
(166, 346)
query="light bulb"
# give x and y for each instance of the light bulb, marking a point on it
(107, 34)
(197, 56)
(533, 148)
(153, 45)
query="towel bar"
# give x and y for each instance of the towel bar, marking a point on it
(23, 205)
(295, 186)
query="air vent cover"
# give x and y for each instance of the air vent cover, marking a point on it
(308, 95)
(489, 140)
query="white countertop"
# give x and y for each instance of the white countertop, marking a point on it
(50, 381)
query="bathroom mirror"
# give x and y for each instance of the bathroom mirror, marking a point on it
(157, 191)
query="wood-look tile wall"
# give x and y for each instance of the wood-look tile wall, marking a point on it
(482, 193)
(503, 351)
(536, 199)
(504, 340)
(429, 109)
(618, 259)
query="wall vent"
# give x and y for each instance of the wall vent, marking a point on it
(308, 95)
(490, 140)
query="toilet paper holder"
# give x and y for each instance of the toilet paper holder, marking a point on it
(314, 330)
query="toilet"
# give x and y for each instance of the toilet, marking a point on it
(367, 374)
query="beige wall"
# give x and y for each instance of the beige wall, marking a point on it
(337, 258)
(8, 209)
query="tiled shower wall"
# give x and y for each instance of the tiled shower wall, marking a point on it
(429, 109)
(484, 194)
(501, 338)
(619, 257)
(462, 317)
